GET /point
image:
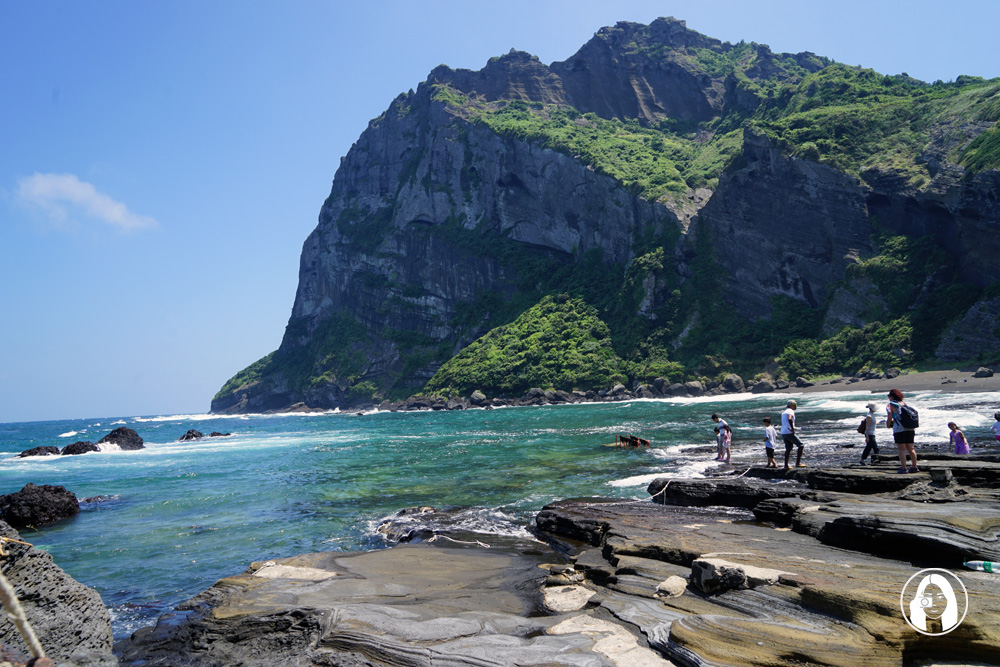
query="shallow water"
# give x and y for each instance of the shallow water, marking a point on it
(177, 516)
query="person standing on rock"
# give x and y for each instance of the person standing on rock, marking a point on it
(789, 435)
(770, 438)
(727, 442)
(900, 434)
(870, 446)
(996, 425)
(720, 433)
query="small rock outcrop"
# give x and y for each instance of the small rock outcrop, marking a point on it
(38, 505)
(191, 435)
(69, 618)
(79, 447)
(39, 451)
(124, 437)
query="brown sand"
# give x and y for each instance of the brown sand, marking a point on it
(946, 380)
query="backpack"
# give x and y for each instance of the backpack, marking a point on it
(863, 426)
(908, 417)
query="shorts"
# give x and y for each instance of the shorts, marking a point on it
(791, 440)
(769, 451)
(903, 437)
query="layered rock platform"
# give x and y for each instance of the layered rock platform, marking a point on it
(770, 568)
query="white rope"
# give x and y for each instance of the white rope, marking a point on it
(16, 613)
(445, 537)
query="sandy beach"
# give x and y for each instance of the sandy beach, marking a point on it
(954, 380)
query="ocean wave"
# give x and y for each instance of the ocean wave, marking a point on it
(69, 434)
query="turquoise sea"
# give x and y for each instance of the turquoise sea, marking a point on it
(170, 520)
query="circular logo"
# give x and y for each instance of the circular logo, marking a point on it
(934, 602)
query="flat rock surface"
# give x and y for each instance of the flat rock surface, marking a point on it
(413, 604)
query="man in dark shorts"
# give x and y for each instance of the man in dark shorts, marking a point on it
(789, 435)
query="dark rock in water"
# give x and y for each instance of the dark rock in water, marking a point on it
(124, 437)
(191, 435)
(70, 619)
(39, 451)
(80, 447)
(38, 505)
(216, 434)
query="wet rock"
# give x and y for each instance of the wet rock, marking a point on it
(191, 435)
(38, 505)
(79, 447)
(39, 451)
(216, 434)
(124, 437)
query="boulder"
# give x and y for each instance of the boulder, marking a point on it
(733, 384)
(216, 434)
(676, 390)
(455, 404)
(38, 505)
(477, 398)
(763, 387)
(660, 383)
(672, 587)
(891, 373)
(694, 388)
(983, 372)
(39, 451)
(124, 437)
(802, 382)
(617, 390)
(70, 620)
(715, 575)
(191, 435)
(646, 391)
(79, 447)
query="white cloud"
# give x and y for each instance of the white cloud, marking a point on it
(62, 196)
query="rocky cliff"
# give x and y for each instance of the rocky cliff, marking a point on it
(470, 199)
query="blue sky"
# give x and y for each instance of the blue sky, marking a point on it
(161, 163)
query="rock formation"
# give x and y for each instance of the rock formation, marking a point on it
(38, 505)
(775, 567)
(458, 208)
(69, 619)
(124, 438)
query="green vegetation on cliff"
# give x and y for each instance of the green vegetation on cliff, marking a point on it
(558, 343)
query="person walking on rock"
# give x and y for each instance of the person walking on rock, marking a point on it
(789, 434)
(870, 446)
(958, 441)
(770, 438)
(902, 435)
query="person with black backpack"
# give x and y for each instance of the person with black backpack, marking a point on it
(903, 419)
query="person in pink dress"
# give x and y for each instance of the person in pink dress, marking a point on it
(958, 441)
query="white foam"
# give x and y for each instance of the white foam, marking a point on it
(69, 434)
